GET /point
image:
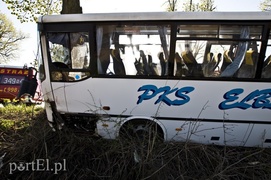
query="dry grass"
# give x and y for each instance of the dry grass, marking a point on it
(89, 157)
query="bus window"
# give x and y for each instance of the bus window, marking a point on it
(217, 50)
(132, 50)
(69, 52)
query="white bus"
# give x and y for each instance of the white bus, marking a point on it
(201, 77)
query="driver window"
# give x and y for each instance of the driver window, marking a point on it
(69, 52)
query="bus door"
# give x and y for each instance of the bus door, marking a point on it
(69, 56)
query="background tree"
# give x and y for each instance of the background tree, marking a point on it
(30, 10)
(265, 5)
(171, 5)
(190, 5)
(9, 39)
(71, 7)
(201, 5)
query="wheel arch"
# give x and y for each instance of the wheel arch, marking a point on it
(138, 119)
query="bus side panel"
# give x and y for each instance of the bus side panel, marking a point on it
(219, 133)
(230, 113)
(241, 101)
(179, 99)
(77, 97)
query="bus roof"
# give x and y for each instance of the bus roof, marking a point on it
(144, 16)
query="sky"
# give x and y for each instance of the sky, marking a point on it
(28, 47)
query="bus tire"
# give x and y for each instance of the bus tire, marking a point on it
(141, 130)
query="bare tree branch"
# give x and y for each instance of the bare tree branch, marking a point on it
(9, 39)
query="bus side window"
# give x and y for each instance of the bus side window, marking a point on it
(132, 50)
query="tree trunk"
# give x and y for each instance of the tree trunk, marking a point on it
(71, 7)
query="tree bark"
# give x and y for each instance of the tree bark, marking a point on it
(71, 7)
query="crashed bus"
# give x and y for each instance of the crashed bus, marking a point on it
(201, 77)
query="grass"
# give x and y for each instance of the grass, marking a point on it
(17, 117)
(15, 121)
(26, 137)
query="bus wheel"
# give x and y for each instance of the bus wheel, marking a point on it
(143, 136)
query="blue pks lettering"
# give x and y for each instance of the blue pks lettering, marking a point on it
(256, 99)
(151, 91)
